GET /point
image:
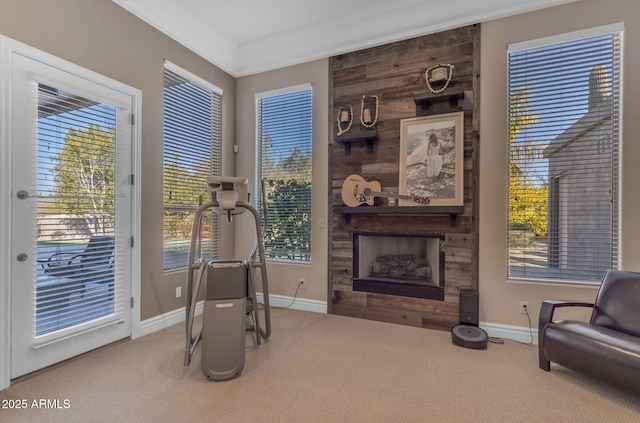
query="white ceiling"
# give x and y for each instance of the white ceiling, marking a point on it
(244, 37)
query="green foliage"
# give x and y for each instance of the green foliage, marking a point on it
(288, 193)
(297, 165)
(528, 202)
(289, 218)
(520, 116)
(84, 177)
(183, 187)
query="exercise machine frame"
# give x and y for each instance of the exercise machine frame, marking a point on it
(225, 199)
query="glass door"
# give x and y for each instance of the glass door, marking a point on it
(71, 215)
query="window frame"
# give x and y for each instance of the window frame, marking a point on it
(258, 167)
(559, 179)
(216, 158)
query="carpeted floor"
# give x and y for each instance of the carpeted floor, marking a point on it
(319, 368)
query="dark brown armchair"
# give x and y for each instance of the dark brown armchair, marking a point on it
(608, 346)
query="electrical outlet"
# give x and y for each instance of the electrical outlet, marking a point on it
(302, 284)
(178, 292)
(524, 307)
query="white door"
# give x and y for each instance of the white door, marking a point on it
(71, 156)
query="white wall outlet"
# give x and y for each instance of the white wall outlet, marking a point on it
(178, 292)
(302, 283)
(524, 307)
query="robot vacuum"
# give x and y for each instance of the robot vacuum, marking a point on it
(469, 337)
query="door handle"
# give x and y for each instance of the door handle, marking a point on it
(23, 195)
(22, 257)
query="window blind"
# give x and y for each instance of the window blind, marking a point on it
(284, 142)
(564, 155)
(192, 150)
(77, 275)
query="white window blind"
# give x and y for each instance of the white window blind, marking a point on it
(284, 141)
(192, 148)
(564, 155)
(76, 211)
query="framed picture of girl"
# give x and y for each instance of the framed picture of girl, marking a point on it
(431, 159)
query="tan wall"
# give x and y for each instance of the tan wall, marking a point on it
(283, 278)
(103, 37)
(499, 297)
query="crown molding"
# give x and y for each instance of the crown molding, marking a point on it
(321, 39)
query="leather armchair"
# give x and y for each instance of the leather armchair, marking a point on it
(608, 346)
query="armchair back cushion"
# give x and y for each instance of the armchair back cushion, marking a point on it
(617, 305)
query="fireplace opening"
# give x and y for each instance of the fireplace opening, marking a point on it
(399, 264)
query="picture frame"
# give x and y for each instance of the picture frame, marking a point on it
(431, 159)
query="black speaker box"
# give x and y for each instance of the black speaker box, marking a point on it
(469, 307)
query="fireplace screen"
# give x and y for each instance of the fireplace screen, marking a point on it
(409, 265)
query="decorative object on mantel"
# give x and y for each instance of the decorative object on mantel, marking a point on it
(345, 115)
(438, 75)
(356, 191)
(369, 104)
(431, 158)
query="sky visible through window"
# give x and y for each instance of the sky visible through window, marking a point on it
(298, 124)
(556, 78)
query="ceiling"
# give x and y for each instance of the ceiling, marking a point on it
(244, 37)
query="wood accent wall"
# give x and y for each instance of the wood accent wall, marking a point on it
(395, 73)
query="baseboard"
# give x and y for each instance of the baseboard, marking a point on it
(163, 321)
(166, 320)
(302, 304)
(525, 335)
(174, 317)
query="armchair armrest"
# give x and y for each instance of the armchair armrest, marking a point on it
(547, 310)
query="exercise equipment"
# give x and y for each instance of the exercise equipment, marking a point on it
(230, 301)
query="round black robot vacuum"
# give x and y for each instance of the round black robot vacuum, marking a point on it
(469, 337)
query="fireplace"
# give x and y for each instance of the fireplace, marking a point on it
(399, 264)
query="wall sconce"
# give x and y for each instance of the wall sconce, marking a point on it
(369, 110)
(345, 117)
(438, 77)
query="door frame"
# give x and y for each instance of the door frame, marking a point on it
(9, 47)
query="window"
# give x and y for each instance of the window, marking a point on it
(564, 153)
(192, 146)
(283, 132)
(76, 216)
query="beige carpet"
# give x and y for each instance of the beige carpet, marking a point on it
(321, 368)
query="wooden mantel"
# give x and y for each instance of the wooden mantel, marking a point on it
(452, 211)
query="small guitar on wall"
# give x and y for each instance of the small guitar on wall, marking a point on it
(357, 191)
